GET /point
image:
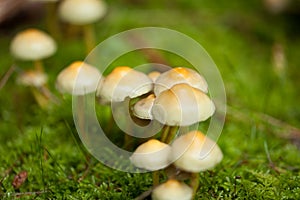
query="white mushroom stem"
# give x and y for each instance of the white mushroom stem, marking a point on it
(38, 65)
(195, 183)
(89, 37)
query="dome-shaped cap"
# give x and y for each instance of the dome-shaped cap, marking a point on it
(32, 44)
(172, 190)
(81, 12)
(179, 75)
(151, 155)
(32, 78)
(79, 78)
(154, 75)
(195, 152)
(124, 82)
(142, 109)
(182, 105)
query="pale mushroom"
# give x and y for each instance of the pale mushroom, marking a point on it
(195, 152)
(182, 105)
(33, 45)
(32, 78)
(83, 13)
(172, 190)
(151, 155)
(124, 82)
(154, 75)
(78, 78)
(142, 109)
(179, 75)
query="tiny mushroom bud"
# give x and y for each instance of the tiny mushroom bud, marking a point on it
(179, 75)
(79, 78)
(142, 109)
(182, 105)
(32, 78)
(32, 44)
(172, 190)
(151, 155)
(154, 75)
(195, 152)
(124, 82)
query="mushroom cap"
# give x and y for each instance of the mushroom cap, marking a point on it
(182, 105)
(124, 82)
(82, 12)
(172, 190)
(32, 44)
(142, 109)
(195, 152)
(154, 75)
(32, 78)
(79, 78)
(179, 75)
(151, 155)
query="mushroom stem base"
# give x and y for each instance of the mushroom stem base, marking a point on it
(155, 177)
(195, 183)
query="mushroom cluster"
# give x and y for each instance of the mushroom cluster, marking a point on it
(175, 98)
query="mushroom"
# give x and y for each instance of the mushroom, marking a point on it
(172, 190)
(32, 78)
(83, 13)
(142, 109)
(34, 45)
(154, 75)
(78, 78)
(124, 82)
(36, 81)
(151, 155)
(179, 75)
(182, 105)
(194, 152)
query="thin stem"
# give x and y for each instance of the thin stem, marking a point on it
(81, 115)
(40, 99)
(52, 20)
(89, 37)
(172, 134)
(155, 177)
(38, 65)
(195, 183)
(164, 134)
(7, 75)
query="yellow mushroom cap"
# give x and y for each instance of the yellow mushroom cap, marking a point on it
(172, 190)
(79, 78)
(182, 105)
(142, 109)
(32, 78)
(195, 152)
(154, 75)
(179, 75)
(82, 12)
(32, 44)
(124, 82)
(151, 155)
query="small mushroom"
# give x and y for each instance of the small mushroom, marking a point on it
(195, 152)
(154, 75)
(124, 82)
(78, 78)
(179, 75)
(32, 78)
(142, 109)
(151, 155)
(172, 190)
(83, 13)
(182, 105)
(34, 45)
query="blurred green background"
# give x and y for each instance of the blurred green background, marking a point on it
(256, 48)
